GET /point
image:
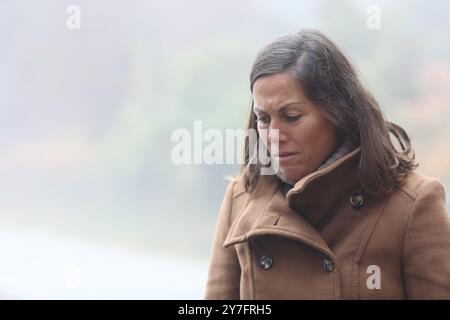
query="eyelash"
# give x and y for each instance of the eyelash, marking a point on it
(292, 118)
(288, 118)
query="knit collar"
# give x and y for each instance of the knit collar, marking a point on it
(344, 149)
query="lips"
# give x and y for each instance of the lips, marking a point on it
(284, 158)
(284, 154)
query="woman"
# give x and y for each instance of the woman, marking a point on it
(346, 216)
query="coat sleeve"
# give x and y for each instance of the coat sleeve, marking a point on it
(224, 273)
(426, 251)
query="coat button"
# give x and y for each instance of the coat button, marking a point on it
(357, 200)
(266, 262)
(328, 265)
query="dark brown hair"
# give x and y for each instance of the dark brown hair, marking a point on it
(330, 81)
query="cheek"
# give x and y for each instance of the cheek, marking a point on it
(314, 137)
(328, 134)
(303, 135)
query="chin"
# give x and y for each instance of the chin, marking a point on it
(289, 177)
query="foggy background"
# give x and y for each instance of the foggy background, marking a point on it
(91, 205)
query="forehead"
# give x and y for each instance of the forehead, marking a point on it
(275, 90)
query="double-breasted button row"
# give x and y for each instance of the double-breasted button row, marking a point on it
(357, 200)
(266, 263)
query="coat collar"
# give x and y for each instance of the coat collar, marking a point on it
(300, 213)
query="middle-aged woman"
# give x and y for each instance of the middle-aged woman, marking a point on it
(346, 216)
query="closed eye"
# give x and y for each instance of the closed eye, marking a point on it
(292, 118)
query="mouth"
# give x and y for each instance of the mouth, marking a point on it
(285, 156)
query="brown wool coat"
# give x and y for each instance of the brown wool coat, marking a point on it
(325, 239)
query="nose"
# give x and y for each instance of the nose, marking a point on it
(276, 134)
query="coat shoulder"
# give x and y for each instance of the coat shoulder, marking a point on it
(237, 186)
(416, 182)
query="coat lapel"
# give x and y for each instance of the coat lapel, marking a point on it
(271, 212)
(273, 216)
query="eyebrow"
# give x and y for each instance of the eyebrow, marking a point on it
(285, 106)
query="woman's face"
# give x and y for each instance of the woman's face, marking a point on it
(305, 137)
